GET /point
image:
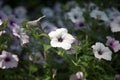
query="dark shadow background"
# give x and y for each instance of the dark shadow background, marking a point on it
(30, 4)
(33, 6)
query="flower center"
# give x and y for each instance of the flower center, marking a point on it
(75, 16)
(81, 24)
(7, 59)
(111, 44)
(60, 39)
(12, 22)
(0, 17)
(98, 16)
(100, 52)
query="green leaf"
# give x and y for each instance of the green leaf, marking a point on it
(46, 47)
(33, 68)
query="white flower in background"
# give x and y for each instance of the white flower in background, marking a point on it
(100, 51)
(48, 12)
(35, 22)
(61, 38)
(115, 24)
(78, 76)
(112, 13)
(76, 15)
(97, 14)
(91, 6)
(7, 10)
(8, 60)
(37, 57)
(20, 11)
(48, 27)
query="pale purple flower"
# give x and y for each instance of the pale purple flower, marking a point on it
(14, 26)
(114, 44)
(8, 60)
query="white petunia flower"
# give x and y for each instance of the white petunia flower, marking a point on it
(20, 11)
(48, 12)
(7, 10)
(90, 6)
(97, 14)
(8, 60)
(112, 13)
(115, 24)
(61, 38)
(100, 51)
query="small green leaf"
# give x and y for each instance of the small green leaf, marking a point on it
(33, 68)
(46, 47)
